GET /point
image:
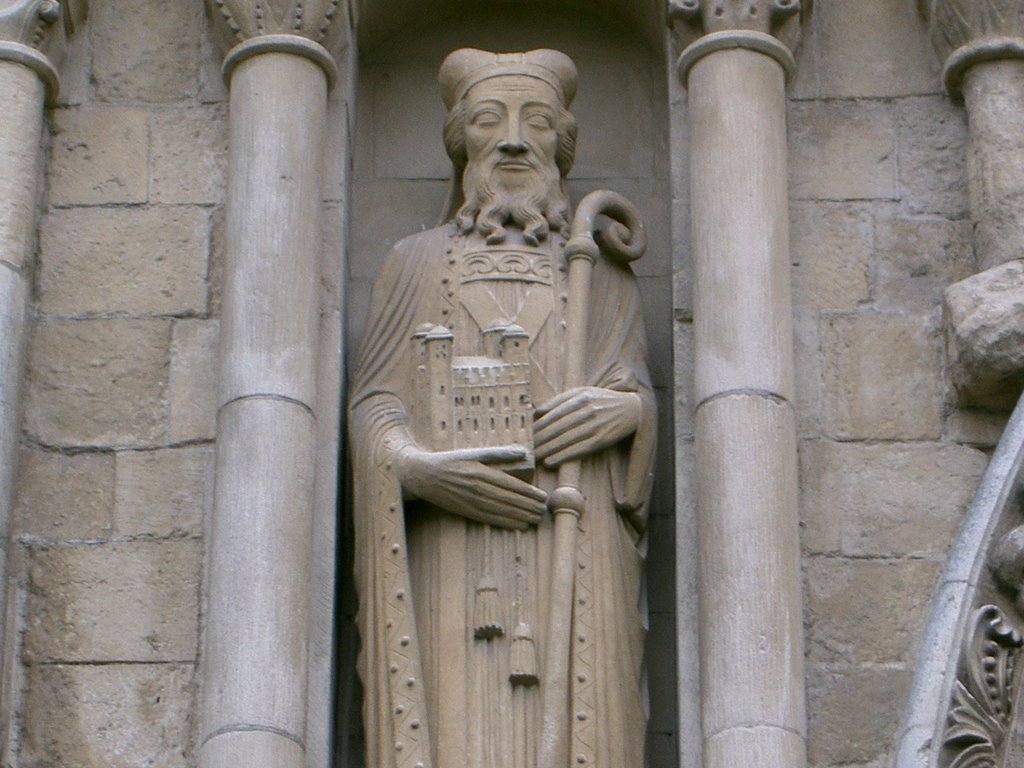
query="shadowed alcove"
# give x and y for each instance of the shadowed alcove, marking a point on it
(398, 186)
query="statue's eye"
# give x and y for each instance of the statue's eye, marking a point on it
(540, 121)
(485, 118)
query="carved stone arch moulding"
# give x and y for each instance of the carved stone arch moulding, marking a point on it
(966, 708)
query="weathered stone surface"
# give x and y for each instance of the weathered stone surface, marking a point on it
(853, 713)
(882, 377)
(807, 400)
(109, 716)
(916, 258)
(867, 610)
(131, 601)
(985, 334)
(994, 98)
(873, 48)
(684, 405)
(189, 155)
(98, 382)
(163, 492)
(64, 497)
(193, 381)
(99, 155)
(830, 248)
(842, 151)
(886, 499)
(144, 51)
(139, 261)
(932, 152)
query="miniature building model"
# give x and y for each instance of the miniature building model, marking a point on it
(474, 401)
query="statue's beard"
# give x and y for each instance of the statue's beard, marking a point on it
(532, 200)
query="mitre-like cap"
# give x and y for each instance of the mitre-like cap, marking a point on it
(466, 67)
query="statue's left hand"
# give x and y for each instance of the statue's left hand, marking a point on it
(582, 421)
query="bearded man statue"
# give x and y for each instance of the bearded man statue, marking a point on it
(459, 420)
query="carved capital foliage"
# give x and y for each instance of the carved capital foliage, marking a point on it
(780, 18)
(35, 33)
(981, 713)
(956, 23)
(236, 21)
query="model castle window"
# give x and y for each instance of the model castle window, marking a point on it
(474, 401)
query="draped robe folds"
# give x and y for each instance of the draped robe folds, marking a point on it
(436, 695)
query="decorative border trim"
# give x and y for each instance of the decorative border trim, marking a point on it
(976, 52)
(293, 44)
(34, 60)
(736, 38)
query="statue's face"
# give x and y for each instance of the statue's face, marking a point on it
(511, 126)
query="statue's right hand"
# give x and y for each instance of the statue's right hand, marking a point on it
(461, 482)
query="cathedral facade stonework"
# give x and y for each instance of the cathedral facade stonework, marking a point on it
(195, 200)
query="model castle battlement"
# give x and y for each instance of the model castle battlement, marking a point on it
(474, 401)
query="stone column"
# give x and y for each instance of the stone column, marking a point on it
(33, 36)
(982, 45)
(279, 70)
(735, 68)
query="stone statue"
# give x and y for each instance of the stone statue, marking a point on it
(499, 544)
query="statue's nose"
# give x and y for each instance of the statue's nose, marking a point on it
(512, 147)
(512, 142)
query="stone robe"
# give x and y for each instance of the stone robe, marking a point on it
(436, 694)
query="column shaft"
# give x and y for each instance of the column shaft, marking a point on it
(994, 95)
(256, 640)
(21, 93)
(751, 609)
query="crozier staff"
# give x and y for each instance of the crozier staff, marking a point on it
(435, 468)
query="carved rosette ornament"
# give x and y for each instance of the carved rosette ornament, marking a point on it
(967, 32)
(307, 28)
(980, 720)
(35, 33)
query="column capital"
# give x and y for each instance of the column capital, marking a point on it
(968, 32)
(35, 33)
(771, 27)
(314, 29)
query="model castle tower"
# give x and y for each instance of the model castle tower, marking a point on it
(474, 401)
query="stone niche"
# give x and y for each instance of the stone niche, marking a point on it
(398, 186)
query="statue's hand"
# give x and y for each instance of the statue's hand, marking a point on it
(460, 482)
(582, 421)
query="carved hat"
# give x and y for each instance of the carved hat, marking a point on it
(466, 67)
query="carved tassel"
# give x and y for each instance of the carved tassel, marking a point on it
(487, 610)
(487, 605)
(524, 656)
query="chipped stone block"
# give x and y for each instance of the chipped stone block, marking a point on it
(867, 610)
(144, 50)
(162, 492)
(189, 154)
(853, 713)
(97, 382)
(149, 261)
(873, 48)
(932, 148)
(193, 382)
(831, 254)
(882, 377)
(99, 156)
(58, 496)
(916, 258)
(985, 336)
(130, 601)
(842, 151)
(108, 716)
(886, 499)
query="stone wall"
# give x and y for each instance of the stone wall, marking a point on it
(113, 489)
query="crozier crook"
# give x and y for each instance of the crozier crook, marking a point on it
(624, 241)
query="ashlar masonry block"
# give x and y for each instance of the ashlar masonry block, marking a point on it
(129, 601)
